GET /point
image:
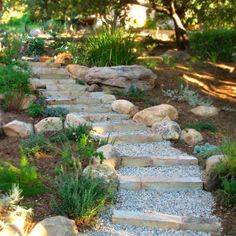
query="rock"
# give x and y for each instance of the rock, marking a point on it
(191, 137)
(36, 32)
(155, 114)
(18, 128)
(205, 111)
(177, 56)
(111, 156)
(55, 226)
(27, 100)
(124, 107)
(77, 72)
(94, 88)
(122, 76)
(212, 161)
(103, 171)
(107, 99)
(36, 83)
(74, 120)
(64, 58)
(49, 124)
(168, 130)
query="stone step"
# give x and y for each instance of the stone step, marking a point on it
(49, 71)
(72, 94)
(85, 108)
(165, 221)
(160, 183)
(144, 161)
(54, 76)
(125, 125)
(62, 88)
(51, 82)
(44, 64)
(64, 100)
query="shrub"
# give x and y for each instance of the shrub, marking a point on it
(206, 150)
(205, 44)
(55, 112)
(36, 46)
(135, 92)
(109, 48)
(26, 177)
(81, 197)
(201, 126)
(14, 85)
(35, 110)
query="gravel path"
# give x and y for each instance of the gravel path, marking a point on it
(163, 171)
(162, 148)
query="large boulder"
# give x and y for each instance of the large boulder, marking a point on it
(77, 72)
(74, 120)
(167, 130)
(18, 128)
(49, 124)
(122, 76)
(191, 137)
(124, 107)
(155, 114)
(36, 83)
(26, 101)
(205, 111)
(212, 161)
(55, 226)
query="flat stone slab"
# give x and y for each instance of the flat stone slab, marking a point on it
(57, 100)
(158, 161)
(159, 183)
(49, 71)
(165, 221)
(103, 116)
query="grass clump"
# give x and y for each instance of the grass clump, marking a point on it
(202, 126)
(55, 112)
(26, 176)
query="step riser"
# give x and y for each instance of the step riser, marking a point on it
(85, 109)
(74, 102)
(97, 118)
(159, 184)
(52, 77)
(157, 161)
(164, 221)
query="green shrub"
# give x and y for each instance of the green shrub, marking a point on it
(26, 177)
(201, 126)
(55, 112)
(36, 46)
(135, 92)
(34, 144)
(14, 85)
(206, 150)
(81, 197)
(108, 48)
(214, 44)
(35, 110)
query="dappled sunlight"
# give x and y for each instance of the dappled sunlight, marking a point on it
(228, 68)
(202, 76)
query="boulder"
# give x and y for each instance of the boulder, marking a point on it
(55, 226)
(74, 120)
(155, 114)
(27, 100)
(212, 161)
(94, 88)
(107, 99)
(191, 137)
(36, 32)
(167, 130)
(36, 83)
(177, 56)
(18, 128)
(205, 111)
(122, 76)
(111, 156)
(124, 107)
(77, 72)
(49, 124)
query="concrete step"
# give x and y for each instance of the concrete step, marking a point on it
(85, 108)
(114, 126)
(144, 161)
(165, 221)
(160, 183)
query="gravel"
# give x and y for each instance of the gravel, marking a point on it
(163, 171)
(162, 148)
(106, 228)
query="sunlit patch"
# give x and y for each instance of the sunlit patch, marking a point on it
(231, 69)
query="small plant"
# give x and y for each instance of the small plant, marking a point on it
(35, 110)
(10, 208)
(201, 126)
(55, 112)
(36, 46)
(206, 150)
(81, 197)
(151, 103)
(169, 61)
(134, 92)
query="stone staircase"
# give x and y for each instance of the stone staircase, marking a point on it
(160, 190)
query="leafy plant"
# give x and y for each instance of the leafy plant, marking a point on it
(169, 61)
(26, 177)
(81, 197)
(55, 112)
(36, 46)
(206, 150)
(201, 126)
(134, 92)
(35, 110)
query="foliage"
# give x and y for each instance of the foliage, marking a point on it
(185, 94)
(35, 110)
(10, 208)
(34, 144)
(108, 48)
(206, 150)
(14, 85)
(169, 61)
(55, 112)
(201, 126)
(205, 44)
(152, 102)
(36, 46)
(81, 197)
(26, 177)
